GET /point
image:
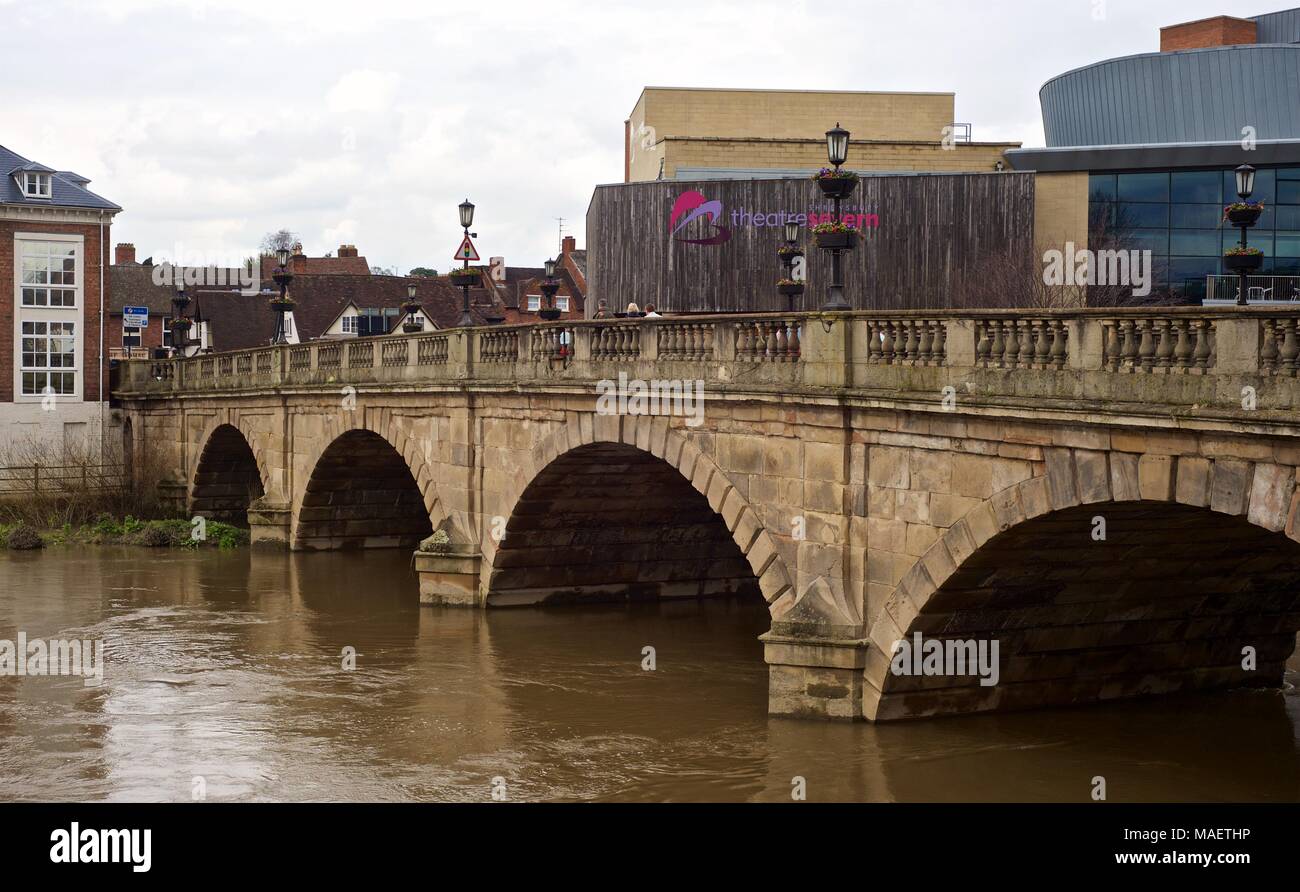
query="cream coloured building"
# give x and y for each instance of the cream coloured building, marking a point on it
(692, 133)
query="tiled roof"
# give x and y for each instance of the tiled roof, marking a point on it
(317, 266)
(67, 189)
(580, 261)
(243, 321)
(133, 286)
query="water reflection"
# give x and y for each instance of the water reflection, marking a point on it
(228, 667)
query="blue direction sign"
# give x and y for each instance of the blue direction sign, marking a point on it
(135, 316)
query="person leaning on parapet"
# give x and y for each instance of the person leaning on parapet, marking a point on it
(602, 310)
(633, 311)
(650, 312)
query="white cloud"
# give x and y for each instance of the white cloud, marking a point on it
(363, 91)
(219, 121)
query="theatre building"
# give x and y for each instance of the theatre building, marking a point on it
(1145, 145)
(1139, 156)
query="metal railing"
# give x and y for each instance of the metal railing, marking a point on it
(1259, 289)
(60, 479)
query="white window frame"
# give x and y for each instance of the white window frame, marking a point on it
(44, 184)
(132, 331)
(47, 369)
(349, 323)
(166, 339)
(73, 314)
(562, 303)
(20, 260)
(534, 303)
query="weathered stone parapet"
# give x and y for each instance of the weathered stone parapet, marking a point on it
(450, 577)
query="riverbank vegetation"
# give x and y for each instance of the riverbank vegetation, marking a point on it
(97, 506)
(107, 530)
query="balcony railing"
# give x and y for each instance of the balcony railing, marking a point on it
(863, 350)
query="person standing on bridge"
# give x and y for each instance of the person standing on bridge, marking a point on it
(650, 312)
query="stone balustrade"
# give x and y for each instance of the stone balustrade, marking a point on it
(1065, 354)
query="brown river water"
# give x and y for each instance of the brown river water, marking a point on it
(227, 666)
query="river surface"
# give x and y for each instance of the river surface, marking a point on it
(227, 666)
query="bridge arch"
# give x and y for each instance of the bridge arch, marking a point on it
(369, 486)
(627, 508)
(229, 473)
(1098, 586)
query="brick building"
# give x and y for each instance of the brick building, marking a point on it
(54, 236)
(522, 294)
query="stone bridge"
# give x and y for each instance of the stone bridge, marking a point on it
(1109, 495)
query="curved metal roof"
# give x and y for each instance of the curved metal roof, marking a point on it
(1190, 96)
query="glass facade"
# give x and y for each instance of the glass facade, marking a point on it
(1177, 214)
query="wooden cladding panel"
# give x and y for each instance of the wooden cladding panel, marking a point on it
(933, 232)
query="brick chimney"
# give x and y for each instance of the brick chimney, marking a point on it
(568, 245)
(348, 250)
(1223, 30)
(123, 254)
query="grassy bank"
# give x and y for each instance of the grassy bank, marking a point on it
(106, 530)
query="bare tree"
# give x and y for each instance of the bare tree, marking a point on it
(1008, 278)
(282, 238)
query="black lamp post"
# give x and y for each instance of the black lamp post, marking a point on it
(281, 303)
(549, 287)
(789, 287)
(411, 308)
(180, 325)
(837, 186)
(466, 221)
(1243, 216)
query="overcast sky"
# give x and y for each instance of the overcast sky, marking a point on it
(213, 123)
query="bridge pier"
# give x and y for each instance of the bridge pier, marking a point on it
(450, 577)
(269, 522)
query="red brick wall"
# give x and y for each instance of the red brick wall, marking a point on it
(1219, 31)
(150, 337)
(94, 260)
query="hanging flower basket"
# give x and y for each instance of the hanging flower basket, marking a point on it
(282, 304)
(550, 314)
(1243, 213)
(835, 236)
(789, 252)
(789, 288)
(837, 186)
(1247, 260)
(462, 277)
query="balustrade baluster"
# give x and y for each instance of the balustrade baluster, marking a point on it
(1202, 343)
(983, 345)
(1268, 352)
(1290, 347)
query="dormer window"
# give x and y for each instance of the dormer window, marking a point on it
(35, 185)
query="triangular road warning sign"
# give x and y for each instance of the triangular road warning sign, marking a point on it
(466, 251)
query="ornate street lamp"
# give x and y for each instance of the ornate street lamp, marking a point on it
(1245, 181)
(411, 308)
(180, 325)
(1243, 214)
(466, 221)
(281, 303)
(837, 145)
(549, 287)
(790, 287)
(836, 236)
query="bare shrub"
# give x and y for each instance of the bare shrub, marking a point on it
(48, 489)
